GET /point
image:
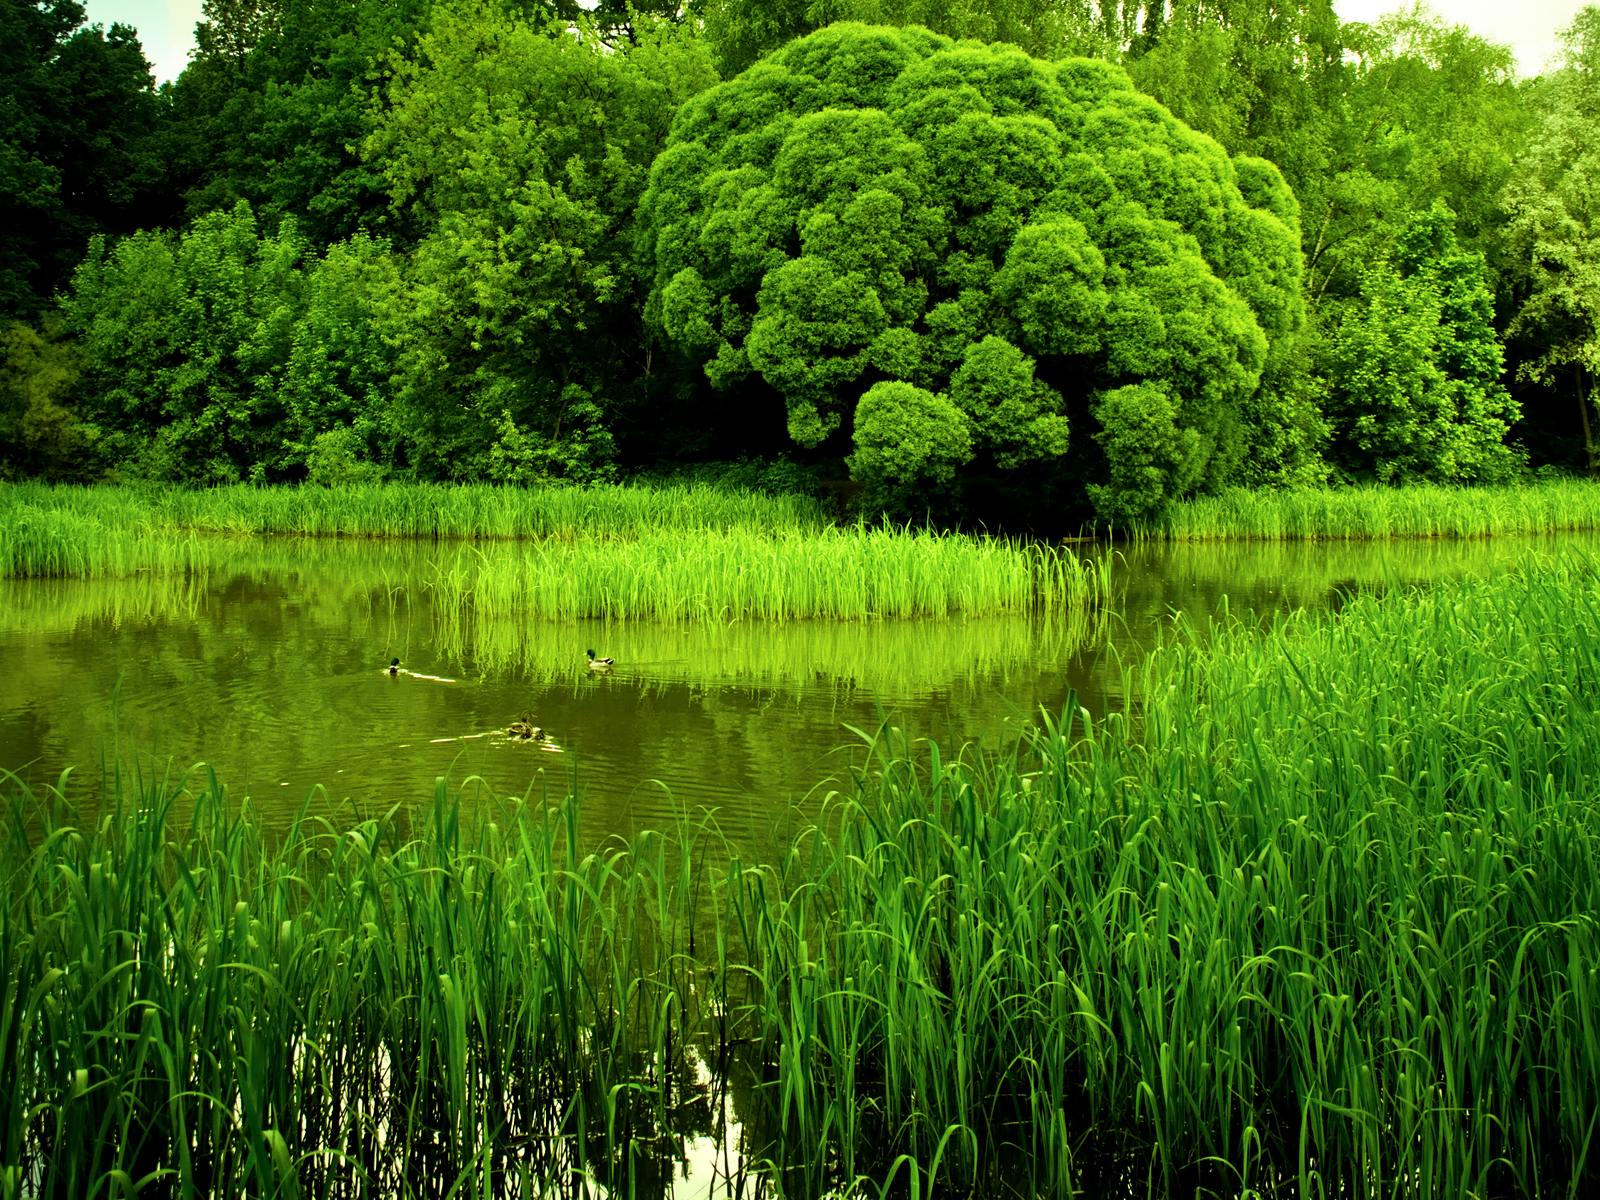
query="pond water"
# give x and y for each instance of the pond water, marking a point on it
(270, 669)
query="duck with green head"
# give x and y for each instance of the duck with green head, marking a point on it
(600, 664)
(394, 666)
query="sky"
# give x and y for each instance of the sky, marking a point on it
(166, 27)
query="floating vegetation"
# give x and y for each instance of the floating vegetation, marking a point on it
(1356, 513)
(1317, 913)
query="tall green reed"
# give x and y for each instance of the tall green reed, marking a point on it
(851, 574)
(464, 511)
(1317, 916)
(1359, 513)
(403, 1008)
(1314, 914)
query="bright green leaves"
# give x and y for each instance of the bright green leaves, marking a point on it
(906, 435)
(1014, 415)
(813, 328)
(39, 432)
(870, 206)
(1554, 234)
(224, 354)
(1418, 365)
(1150, 455)
(518, 151)
(1054, 285)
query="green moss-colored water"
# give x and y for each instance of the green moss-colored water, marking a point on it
(270, 668)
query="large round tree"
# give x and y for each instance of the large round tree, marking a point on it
(954, 252)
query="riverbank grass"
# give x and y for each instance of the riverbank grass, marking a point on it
(400, 510)
(1360, 513)
(669, 554)
(1314, 914)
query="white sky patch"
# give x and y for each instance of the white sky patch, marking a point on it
(166, 28)
(1529, 27)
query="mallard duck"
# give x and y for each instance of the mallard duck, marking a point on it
(600, 664)
(524, 728)
(394, 666)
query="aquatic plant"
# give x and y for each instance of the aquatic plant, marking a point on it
(854, 573)
(1356, 513)
(465, 511)
(1314, 913)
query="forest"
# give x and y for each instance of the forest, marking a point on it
(1023, 263)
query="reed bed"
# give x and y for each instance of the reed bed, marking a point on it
(1361, 513)
(848, 574)
(50, 530)
(1318, 914)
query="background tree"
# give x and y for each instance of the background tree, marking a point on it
(742, 31)
(1417, 366)
(517, 152)
(82, 145)
(40, 434)
(1553, 242)
(226, 353)
(276, 102)
(871, 205)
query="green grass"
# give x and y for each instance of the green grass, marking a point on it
(851, 574)
(1359, 513)
(48, 530)
(668, 554)
(1317, 915)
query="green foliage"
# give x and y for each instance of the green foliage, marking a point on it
(867, 206)
(742, 31)
(1262, 78)
(82, 145)
(516, 153)
(1150, 459)
(275, 103)
(1014, 416)
(905, 435)
(1432, 113)
(185, 337)
(40, 436)
(1417, 366)
(1553, 239)
(336, 459)
(222, 354)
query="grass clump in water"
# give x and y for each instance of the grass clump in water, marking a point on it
(1317, 914)
(852, 574)
(1358, 513)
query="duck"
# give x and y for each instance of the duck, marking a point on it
(524, 729)
(394, 666)
(600, 664)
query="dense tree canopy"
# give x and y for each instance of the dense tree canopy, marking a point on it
(83, 145)
(1554, 236)
(958, 250)
(998, 243)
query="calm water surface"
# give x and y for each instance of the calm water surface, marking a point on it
(270, 670)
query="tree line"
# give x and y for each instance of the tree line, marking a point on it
(1018, 261)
